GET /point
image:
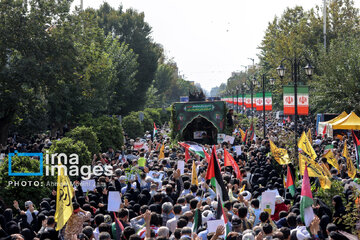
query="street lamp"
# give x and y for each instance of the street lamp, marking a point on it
(237, 99)
(272, 82)
(295, 66)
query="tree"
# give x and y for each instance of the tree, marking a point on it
(70, 146)
(108, 130)
(27, 54)
(132, 125)
(13, 188)
(86, 135)
(337, 88)
(132, 29)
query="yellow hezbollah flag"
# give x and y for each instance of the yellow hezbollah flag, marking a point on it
(349, 164)
(314, 170)
(309, 136)
(161, 154)
(281, 155)
(242, 133)
(305, 145)
(64, 195)
(242, 189)
(331, 159)
(194, 179)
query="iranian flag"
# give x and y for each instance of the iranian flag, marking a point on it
(306, 202)
(357, 147)
(259, 102)
(248, 100)
(302, 100)
(290, 182)
(193, 147)
(253, 101)
(214, 175)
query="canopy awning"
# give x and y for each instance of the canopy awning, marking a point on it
(329, 130)
(350, 122)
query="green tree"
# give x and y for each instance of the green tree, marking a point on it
(132, 125)
(36, 188)
(86, 135)
(132, 29)
(337, 88)
(69, 146)
(28, 54)
(108, 130)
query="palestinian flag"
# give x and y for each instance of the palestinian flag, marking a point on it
(306, 202)
(221, 213)
(193, 147)
(290, 182)
(214, 175)
(328, 147)
(155, 130)
(244, 138)
(197, 221)
(119, 228)
(357, 147)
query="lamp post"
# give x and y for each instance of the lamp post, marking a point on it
(237, 99)
(251, 86)
(295, 67)
(271, 81)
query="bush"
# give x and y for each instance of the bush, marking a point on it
(154, 115)
(148, 123)
(327, 194)
(108, 130)
(69, 146)
(88, 136)
(165, 114)
(9, 192)
(132, 125)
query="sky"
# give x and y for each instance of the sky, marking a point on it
(209, 39)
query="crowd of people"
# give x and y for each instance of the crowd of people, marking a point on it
(170, 208)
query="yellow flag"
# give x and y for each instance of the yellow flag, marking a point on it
(349, 164)
(194, 179)
(331, 159)
(309, 136)
(64, 195)
(242, 189)
(161, 154)
(281, 155)
(305, 145)
(231, 196)
(242, 133)
(314, 170)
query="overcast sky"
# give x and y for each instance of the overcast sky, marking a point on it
(209, 39)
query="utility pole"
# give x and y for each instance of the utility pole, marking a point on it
(82, 5)
(324, 16)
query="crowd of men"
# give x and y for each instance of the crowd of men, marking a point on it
(169, 208)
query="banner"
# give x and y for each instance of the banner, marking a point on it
(247, 100)
(260, 104)
(302, 100)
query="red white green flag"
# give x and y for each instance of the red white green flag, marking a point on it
(220, 213)
(193, 147)
(306, 202)
(290, 182)
(302, 100)
(260, 104)
(247, 100)
(357, 147)
(214, 175)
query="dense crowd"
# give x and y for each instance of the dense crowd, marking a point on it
(169, 208)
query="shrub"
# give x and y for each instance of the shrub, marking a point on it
(107, 129)
(132, 125)
(10, 192)
(154, 115)
(148, 123)
(88, 136)
(69, 146)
